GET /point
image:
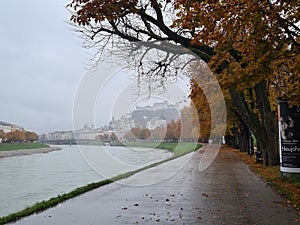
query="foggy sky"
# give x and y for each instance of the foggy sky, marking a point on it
(41, 64)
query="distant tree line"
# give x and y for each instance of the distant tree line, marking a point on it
(18, 136)
(107, 137)
(173, 132)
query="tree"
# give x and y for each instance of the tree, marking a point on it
(113, 137)
(2, 136)
(31, 136)
(144, 134)
(203, 111)
(137, 133)
(102, 137)
(129, 136)
(158, 134)
(189, 123)
(15, 136)
(253, 46)
(19, 136)
(256, 47)
(173, 132)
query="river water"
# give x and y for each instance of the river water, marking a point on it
(28, 179)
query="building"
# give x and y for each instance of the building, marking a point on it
(86, 133)
(156, 122)
(7, 127)
(125, 123)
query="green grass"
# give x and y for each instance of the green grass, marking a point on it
(178, 148)
(17, 146)
(51, 202)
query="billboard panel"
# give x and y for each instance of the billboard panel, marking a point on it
(289, 138)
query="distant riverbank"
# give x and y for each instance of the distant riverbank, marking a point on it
(19, 152)
(17, 146)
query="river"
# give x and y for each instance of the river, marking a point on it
(28, 179)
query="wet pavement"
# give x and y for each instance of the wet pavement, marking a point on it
(225, 193)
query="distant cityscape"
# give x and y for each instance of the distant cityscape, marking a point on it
(148, 117)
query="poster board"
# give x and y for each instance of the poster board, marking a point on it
(289, 137)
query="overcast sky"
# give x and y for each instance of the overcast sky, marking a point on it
(42, 65)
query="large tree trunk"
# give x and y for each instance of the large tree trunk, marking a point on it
(231, 140)
(245, 137)
(262, 124)
(269, 139)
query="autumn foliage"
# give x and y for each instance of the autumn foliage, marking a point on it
(170, 133)
(107, 137)
(18, 136)
(173, 132)
(137, 133)
(256, 60)
(251, 46)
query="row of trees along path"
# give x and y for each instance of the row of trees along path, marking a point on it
(251, 46)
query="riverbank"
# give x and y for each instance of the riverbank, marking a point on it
(17, 146)
(226, 193)
(11, 153)
(178, 148)
(61, 198)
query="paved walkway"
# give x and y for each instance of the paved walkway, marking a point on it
(226, 193)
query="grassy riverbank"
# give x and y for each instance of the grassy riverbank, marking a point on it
(179, 149)
(17, 146)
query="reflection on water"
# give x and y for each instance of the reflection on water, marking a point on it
(28, 179)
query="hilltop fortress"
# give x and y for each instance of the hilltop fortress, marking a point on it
(150, 117)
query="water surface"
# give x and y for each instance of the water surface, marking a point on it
(28, 179)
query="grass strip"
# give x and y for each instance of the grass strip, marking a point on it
(18, 146)
(179, 149)
(287, 188)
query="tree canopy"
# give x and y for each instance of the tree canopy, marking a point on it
(252, 46)
(18, 136)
